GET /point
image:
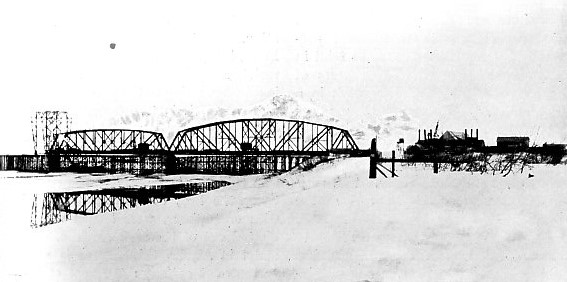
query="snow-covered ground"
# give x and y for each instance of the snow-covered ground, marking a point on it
(331, 223)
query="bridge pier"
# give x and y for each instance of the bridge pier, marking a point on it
(170, 161)
(53, 161)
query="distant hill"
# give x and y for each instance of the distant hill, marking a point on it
(388, 128)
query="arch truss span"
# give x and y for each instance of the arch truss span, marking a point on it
(267, 135)
(110, 141)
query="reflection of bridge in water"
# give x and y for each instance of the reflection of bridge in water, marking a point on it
(244, 146)
(50, 208)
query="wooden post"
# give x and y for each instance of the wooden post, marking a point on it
(372, 172)
(393, 163)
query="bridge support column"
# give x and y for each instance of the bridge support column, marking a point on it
(141, 165)
(53, 162)
(170, 162)
(275, 164)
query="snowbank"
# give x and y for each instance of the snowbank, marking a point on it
(331, 223)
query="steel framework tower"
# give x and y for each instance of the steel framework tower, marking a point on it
(45, 125)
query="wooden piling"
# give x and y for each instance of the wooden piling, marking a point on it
(373, 156)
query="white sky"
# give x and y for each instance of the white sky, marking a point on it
(500, 67)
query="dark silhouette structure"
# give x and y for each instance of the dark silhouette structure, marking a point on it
(242, 146)
(450, 142)
(247, 146)
(264, 135)
(109, 141)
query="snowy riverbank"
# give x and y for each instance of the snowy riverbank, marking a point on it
(328, 224)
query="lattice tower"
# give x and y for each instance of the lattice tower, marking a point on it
(45, 125)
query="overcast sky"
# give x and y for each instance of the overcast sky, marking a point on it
(500, 66)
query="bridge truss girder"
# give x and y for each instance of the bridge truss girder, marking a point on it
(109, 141)
(263, 135)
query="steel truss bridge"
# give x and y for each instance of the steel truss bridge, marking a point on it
(263, 136)
(109, 141)
(242, 146)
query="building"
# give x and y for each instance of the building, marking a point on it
(512, 142)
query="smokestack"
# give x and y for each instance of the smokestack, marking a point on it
(425, 134)
(477, 133)
(466, 133)
(430, 133)
(418, 134)
(471, 133)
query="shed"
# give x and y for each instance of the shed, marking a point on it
(513, 142)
